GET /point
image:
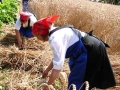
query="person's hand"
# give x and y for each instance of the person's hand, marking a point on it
(45, 88)
(45, 74)
(20, 44)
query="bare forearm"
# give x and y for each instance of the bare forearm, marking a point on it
(50, 66)
(53, 76)
(19, 38)
(18, 35)
(54, 73)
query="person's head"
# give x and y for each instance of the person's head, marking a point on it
(24, 16)
(41, 28)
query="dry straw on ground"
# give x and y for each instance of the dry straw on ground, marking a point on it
(104, 19)
(25, 67)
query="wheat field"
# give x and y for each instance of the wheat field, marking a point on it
(104, 19)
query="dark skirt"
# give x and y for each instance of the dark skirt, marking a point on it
(99, 72)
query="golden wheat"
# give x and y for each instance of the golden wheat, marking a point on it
(104, 19)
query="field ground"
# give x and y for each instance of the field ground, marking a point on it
(8, 44)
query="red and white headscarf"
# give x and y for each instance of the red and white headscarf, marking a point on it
(24, 16)
(42, 26)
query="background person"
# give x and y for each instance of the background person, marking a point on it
(25, 4)
(23, 26)
(88, 57)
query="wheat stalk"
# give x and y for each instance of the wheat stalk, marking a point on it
(45, 84)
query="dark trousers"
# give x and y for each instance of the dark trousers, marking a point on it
(25, 5)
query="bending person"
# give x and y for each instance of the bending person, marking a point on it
(88, 57)
(23, 26)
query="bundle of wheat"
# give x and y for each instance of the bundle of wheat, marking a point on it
(33, 54)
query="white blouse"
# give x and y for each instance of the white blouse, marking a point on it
(60, 41)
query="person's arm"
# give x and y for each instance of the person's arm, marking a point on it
(54, 73)
(17, 28)
(18, 38)
(53, 76)
(45, 73)
(58, 46)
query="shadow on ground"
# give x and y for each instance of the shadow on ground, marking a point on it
(8, 40)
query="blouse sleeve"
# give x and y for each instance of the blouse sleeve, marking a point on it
(17, 24)
(58, 46)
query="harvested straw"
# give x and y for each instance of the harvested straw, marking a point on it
(32, 55)
(26, 66)
(86, 83)
(49, 86)
(63, 80)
